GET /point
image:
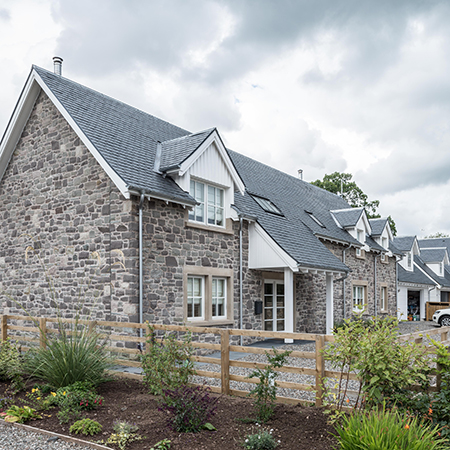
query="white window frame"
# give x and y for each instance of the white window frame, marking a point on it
(190, 280)
(383, 257)
(215, 298)
(359, 301)
(409, 260)
(383, 298)
(201, 212)
(209, 277)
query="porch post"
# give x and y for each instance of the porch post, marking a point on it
(289, 315)
(329, 301)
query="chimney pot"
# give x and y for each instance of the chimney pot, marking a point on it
(57, 65)
(300, 174)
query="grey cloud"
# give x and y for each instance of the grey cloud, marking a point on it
(114, 35)
(5, 16)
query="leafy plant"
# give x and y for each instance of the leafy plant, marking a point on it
(11, 366)
(4, 403)
(125, 433)
(191, 407)
(387, 429)
(20, 414)
(266, 390)
(261, 440)
(162, 445)
(87, 427)
(75, 398)
(168, 363)
(41, 401)
(372, 351)
(74, 354)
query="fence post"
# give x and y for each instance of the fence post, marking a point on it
(320, 368)
(92, 325)
(225, 361)
(4, 327)
(43, 332)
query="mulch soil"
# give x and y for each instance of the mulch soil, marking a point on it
(297, 427)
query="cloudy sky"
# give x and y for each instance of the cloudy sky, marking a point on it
(352, 86)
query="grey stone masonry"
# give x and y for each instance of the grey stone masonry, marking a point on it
(64, 227)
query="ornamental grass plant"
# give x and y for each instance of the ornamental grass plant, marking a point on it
(384, 429)
(74, 355)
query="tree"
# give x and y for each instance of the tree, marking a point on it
(342, 184)
(437, 235)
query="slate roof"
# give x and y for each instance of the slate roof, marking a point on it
(435, 255)
(176, 151)
(377, 226)
(127, 139)
(295, 230)
(348, 217)
(443, 281)
(373, 245)
(125, 136)
(404, 243)
(435, 242)
(416, 276)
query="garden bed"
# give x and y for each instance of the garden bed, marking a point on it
(297, 427)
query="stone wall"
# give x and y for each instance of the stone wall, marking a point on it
(172, 247)
(57, 200)
(362, 270)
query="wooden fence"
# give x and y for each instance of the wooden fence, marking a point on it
(123, 340)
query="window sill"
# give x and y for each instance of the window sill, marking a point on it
(209, 323)
(361, 256)
(201, 226)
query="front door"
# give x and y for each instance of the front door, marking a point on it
(273, 306)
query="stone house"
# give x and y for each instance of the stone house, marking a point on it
(144, 220)
(423, 274)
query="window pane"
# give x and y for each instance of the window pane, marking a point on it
(268, 288)
(268, 302)
(219, 197)
(211, 195)
(211, 215)
(280, 289)
(268, 325)
(280, 325)
(199, 192)
(219, 216)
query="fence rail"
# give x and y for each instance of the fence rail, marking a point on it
(124, 342)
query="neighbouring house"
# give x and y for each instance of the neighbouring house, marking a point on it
(206, 236)
(423, 274)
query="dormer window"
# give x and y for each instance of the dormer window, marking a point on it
(409, 260)
(441, 268)
(267, 205)
(384, 243)
(360, 237)
(210, 208)
(313, 217)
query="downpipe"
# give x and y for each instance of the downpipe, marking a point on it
(141, 268)
(241, 323)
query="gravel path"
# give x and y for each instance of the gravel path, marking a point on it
(15, 438)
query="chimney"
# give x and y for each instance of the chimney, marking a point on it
(57, 65)
(300, 174)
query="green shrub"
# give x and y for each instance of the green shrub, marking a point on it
(87, 427)
(384, 365)
(190, 406)
(11, 366)
(20, 414)
(266, 390)
(124, 433)
(385, 430)
(74, 354)
(75, 398)
(168, 363)
(261, 440)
